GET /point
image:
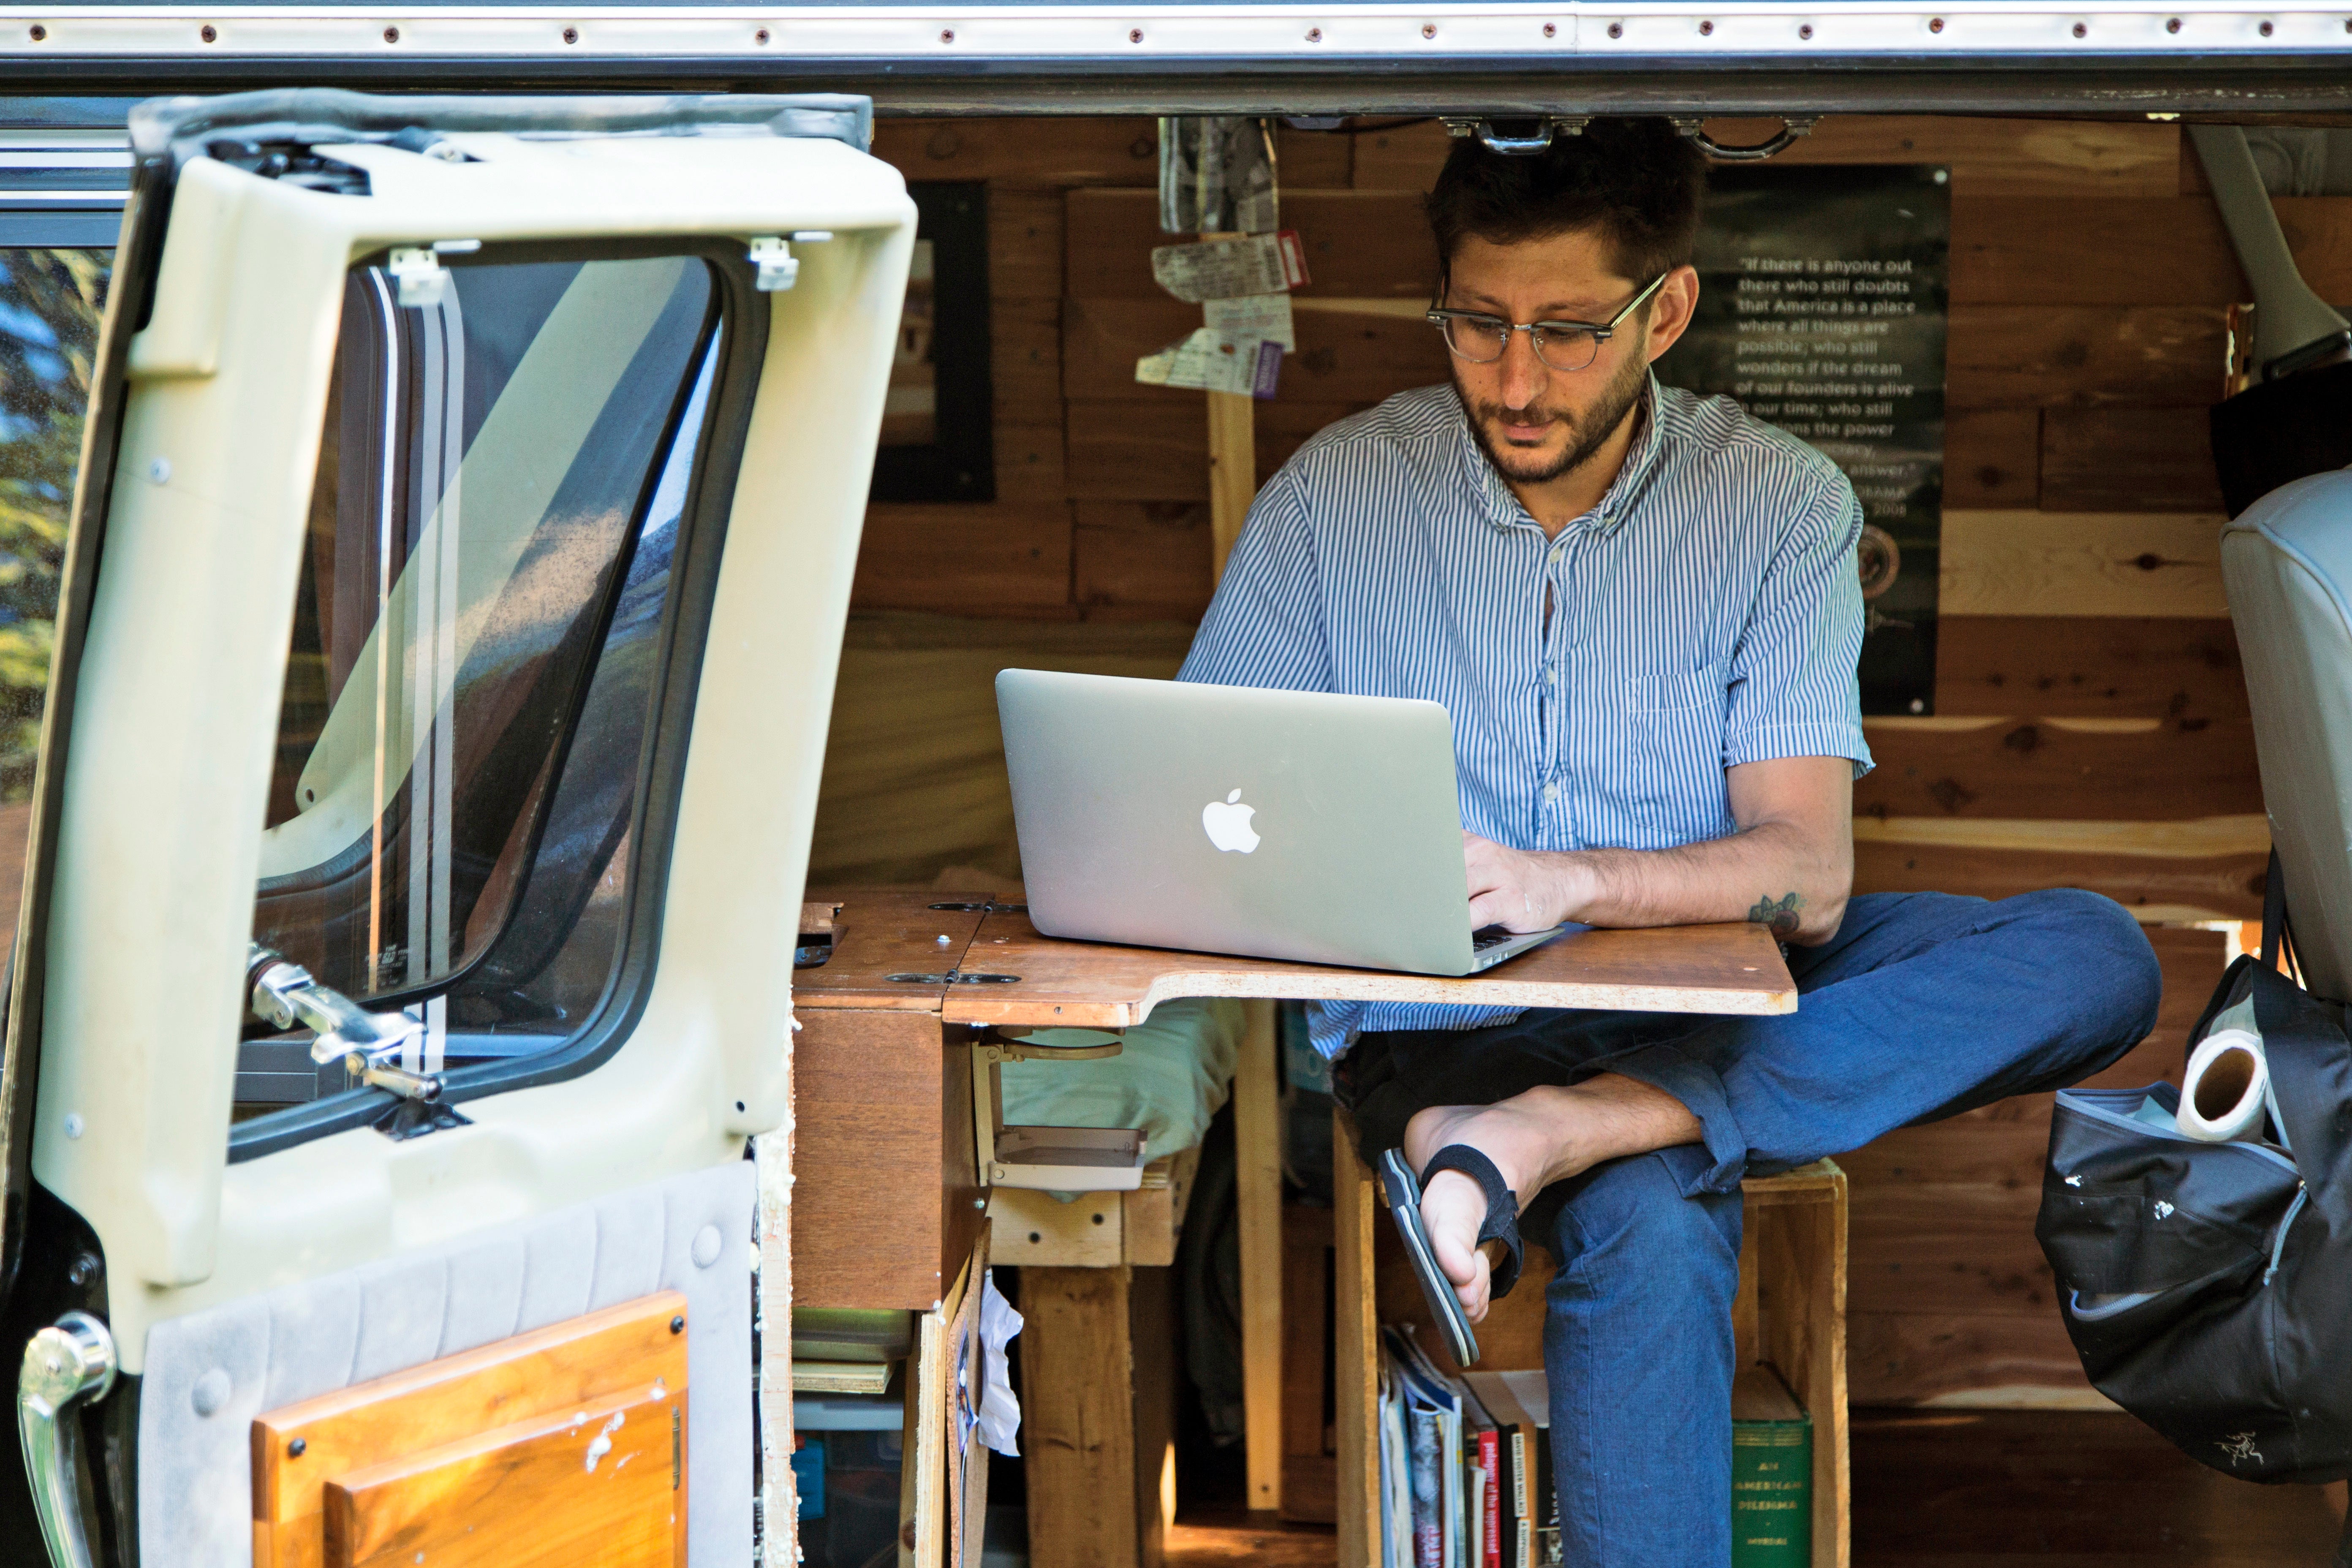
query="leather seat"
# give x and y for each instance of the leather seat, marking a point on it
(2287, 562)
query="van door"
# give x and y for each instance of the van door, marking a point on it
(463, 536)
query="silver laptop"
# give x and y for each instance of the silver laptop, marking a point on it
(1230, 819)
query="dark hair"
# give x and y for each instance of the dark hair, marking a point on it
(1638, 181)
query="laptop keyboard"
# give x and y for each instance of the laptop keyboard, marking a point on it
(1489, 938)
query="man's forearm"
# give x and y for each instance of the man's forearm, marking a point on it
(1772, 874)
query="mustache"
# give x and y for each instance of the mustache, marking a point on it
(1489, 412)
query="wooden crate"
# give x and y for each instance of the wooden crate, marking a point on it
(1790, 1312)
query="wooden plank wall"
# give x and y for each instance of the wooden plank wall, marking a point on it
(2091, 725)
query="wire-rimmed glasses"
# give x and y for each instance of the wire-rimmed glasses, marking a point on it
(1480, 338)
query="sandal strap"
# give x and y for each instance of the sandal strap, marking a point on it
(1502, 1222)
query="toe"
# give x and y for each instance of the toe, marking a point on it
(1476, 1296)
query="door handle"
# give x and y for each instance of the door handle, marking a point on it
(71, 1359)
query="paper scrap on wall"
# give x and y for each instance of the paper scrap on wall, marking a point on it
(1214, 363)
(1224, 269)
(1264, 316)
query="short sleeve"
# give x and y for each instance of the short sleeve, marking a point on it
(1792, 686)
(1264, 626)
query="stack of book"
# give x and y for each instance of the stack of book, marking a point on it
(1466, 1465)
(1466, 1468)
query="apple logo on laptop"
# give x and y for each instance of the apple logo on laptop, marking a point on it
(1228, 824)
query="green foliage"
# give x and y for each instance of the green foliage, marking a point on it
(50, 302)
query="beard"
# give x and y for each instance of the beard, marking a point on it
(1587, 431)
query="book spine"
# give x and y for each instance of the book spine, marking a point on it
(1550, 1549)
(1428, 1492)
(1489, 1459)
(1771, 1494)
(1523, 1535)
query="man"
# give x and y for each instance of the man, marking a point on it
(1641, 610)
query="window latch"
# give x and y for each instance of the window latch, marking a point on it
(285, 995)
(418, 271)
(774, 268)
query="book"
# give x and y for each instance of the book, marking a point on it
(840, 1377)
(1396, 1489)
(1519, 1552)
(1473, 1512)
(1771, 1473)
(1490, 1497)
(1428, 1492)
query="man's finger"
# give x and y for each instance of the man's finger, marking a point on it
(1499, 907)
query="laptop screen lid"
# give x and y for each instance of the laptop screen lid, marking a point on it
(1234, 819)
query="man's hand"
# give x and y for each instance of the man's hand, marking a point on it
(1788, 866)
(1516, 888)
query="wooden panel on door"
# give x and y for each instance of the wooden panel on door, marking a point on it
(603, 1487)
(502, 1397)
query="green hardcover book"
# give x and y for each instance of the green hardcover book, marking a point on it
(1771, 1474)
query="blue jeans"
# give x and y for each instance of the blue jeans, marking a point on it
(1921, 1006)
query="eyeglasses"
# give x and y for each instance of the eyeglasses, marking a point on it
(1481, 339)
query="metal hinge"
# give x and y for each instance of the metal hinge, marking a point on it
(953, 977)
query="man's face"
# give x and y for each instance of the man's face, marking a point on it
(1536, 423)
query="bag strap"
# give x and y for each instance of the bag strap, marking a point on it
(2273, 910)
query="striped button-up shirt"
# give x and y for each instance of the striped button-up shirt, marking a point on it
(1706, 612)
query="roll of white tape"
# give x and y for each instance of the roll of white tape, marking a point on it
(2226, 1089)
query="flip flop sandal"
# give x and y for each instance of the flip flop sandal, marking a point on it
(1401, 1191)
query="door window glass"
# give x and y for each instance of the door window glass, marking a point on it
(497, 504)
(50, 302)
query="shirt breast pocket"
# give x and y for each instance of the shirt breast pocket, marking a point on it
(1649, 759)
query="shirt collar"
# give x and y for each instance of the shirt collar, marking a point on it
(1503, 509)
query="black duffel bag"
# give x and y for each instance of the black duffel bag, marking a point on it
(2208, 1286)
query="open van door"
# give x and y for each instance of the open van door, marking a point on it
(463, 534)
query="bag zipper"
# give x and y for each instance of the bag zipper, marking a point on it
(2278, 1245)
(2100, 1113)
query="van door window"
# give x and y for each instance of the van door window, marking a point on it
(50, 304)
(507, 456)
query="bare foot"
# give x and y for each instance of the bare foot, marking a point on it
(1545, 1136)
(1521, 1135)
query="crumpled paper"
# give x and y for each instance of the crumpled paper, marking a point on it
(999, 1417)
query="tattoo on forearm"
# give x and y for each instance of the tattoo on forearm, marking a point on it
(1779, 913)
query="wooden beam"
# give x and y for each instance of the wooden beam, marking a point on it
(1232, 472)
(1987, 157)
(2133, 769)
(1992, 457)
(1257, 1141)
(1356, 1335)
(2107, 666)
(1082, 150)
(1078, 1399)
(2173, 871)
(2030, 356)
(2090, 563)
(2006, 249)
(1003, 558)
(2128, 459)
(1257, 1109)
(1142, 560)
